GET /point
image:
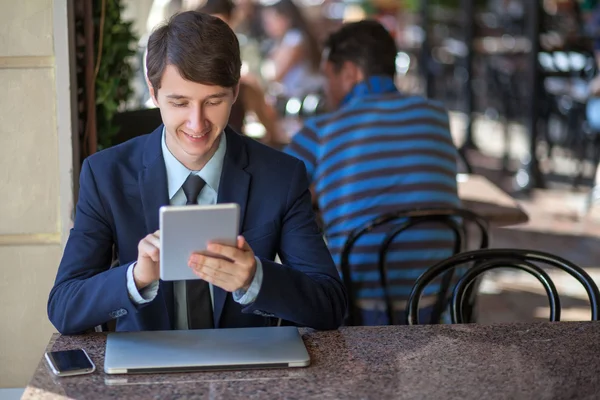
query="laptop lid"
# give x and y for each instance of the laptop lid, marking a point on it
(204, 350)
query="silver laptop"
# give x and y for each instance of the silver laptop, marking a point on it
(204, 350)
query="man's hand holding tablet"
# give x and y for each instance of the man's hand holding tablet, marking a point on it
(233, 270)
(147, 268)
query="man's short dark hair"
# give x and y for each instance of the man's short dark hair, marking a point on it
(202, 48)
(365, 43)
(221, 7)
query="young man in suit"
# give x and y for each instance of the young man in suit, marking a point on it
(193, 68)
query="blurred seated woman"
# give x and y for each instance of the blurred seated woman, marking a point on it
(296, 54)
(251, 97)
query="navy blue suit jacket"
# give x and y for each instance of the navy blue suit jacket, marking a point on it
(121, 191)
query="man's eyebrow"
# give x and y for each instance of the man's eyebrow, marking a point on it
(176, 96)
(212, 96)
(219, 95)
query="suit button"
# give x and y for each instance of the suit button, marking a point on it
(118, 313)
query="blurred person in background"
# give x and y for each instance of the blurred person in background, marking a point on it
(251, 97)
(379, 151)
(592, 15)
(296, 54)
(248, 19)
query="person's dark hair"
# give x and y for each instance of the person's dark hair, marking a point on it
(289, 10)
(365, 43)
(202, 48)
(222, 7)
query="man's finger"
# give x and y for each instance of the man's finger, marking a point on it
(226, 251)
(150, 250)
(207, 263)
(216, 280)
(242, 244)
(154, 255)
(153, 240)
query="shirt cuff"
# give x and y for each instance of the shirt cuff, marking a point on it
(143, 296)
(245, 297)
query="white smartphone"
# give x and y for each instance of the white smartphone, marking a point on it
(188, 229)
(70, 362)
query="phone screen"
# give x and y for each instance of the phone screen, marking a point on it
(70, 361)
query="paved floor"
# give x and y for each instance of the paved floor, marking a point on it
(559, 224)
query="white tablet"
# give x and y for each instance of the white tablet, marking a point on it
(188, 229)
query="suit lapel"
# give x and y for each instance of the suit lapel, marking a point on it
(154, 193)
(233, 188)
(153, 182)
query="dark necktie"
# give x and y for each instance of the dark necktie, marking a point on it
(199, 304)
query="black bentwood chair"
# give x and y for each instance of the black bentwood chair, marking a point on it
(487, 259)
(455, 219)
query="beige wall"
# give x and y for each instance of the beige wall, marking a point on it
(36, 162)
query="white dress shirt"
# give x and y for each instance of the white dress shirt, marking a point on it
(177, 173)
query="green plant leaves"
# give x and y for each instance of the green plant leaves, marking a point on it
(113, 82)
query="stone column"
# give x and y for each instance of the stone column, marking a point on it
(36, 175)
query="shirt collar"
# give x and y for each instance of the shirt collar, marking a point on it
(177, 173)
(372, 85)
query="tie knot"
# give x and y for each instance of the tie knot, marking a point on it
(192, 187)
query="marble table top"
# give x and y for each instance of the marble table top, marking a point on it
(509, 361)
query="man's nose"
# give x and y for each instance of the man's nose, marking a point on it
(196, 119)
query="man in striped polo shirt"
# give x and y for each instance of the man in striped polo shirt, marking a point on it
(379, 151)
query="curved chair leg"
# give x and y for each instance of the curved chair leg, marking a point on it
(440, 304)
(460, 290)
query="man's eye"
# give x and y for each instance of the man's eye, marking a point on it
(214, 103)
(179, 104)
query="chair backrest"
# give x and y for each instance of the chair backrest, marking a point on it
(487, 259)
(400, 221)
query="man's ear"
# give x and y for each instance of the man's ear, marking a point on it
(352, 72)
(153, 93)
(351, 75)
